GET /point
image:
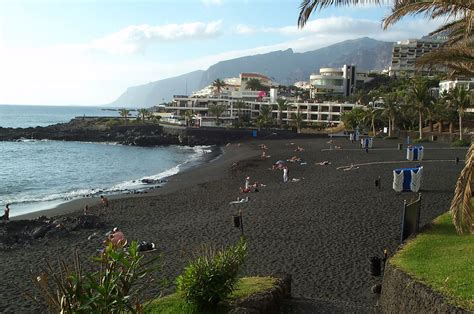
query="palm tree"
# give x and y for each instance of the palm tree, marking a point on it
(188, 117)
(419, 95)
(297, 119)
(352, 119)
(460, 100)
(456, 53)
(461, 208)
(265, 116)
(254, 84)
(282, 105)
(371, 114)
(124, 113)
(218, 84)
(143, 113)
(390, 110)
(217, 111)
(239, 105)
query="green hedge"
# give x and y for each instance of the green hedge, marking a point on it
(461, 143)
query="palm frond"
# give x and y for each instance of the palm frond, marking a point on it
(308, 6)
(460, 10)
(461, 207)
(459, 59)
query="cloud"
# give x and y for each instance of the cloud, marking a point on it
(347, 27)
(135, 38)
(211, 2)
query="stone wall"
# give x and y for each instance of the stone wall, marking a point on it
(217, 135)
(403, 294)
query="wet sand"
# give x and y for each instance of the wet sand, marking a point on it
(322, 229)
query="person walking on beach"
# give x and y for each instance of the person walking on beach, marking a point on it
(104, 201)
(86, 209)
(6, 213)
(285, 174)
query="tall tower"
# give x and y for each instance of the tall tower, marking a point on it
(349, 81)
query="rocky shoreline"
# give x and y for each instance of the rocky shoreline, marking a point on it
(98, 130)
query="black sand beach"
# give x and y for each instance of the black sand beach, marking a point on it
(322, 229)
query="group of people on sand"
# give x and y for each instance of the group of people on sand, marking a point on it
(254, 187)
(104, 204)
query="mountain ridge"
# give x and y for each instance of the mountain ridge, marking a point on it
(282, 66)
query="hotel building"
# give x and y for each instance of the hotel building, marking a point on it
(337, 81)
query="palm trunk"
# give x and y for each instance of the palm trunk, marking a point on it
(430, 121)
(373, 126)
(440, 128)
(389, 127)
(280, 119)
(420, 124)
(393, 123)
(451, 127)
(460, 126)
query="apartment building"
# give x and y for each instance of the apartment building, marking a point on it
(405, 53)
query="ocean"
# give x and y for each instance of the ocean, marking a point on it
(37, 175)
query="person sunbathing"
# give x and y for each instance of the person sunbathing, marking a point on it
(240, 201)
(117, 238)
(299, 149)
(294, 159)
(324, 163)
(351, 167)
(245, 190)
(264, 155)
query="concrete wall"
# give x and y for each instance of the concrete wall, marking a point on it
(440, 137)
(402, 294)
(268, 301)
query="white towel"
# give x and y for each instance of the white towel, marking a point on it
(415, 183)
(398, 181)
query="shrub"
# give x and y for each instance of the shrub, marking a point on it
(390, 137)
(212, 276)
(114, 288)
(421, 140)
(460, 143)
(113, 122)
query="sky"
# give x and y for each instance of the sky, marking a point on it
(85, 52)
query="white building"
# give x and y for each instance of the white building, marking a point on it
(405, 53)
(314, 112)
(237, 86)
(337, 81)
(447, 85)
